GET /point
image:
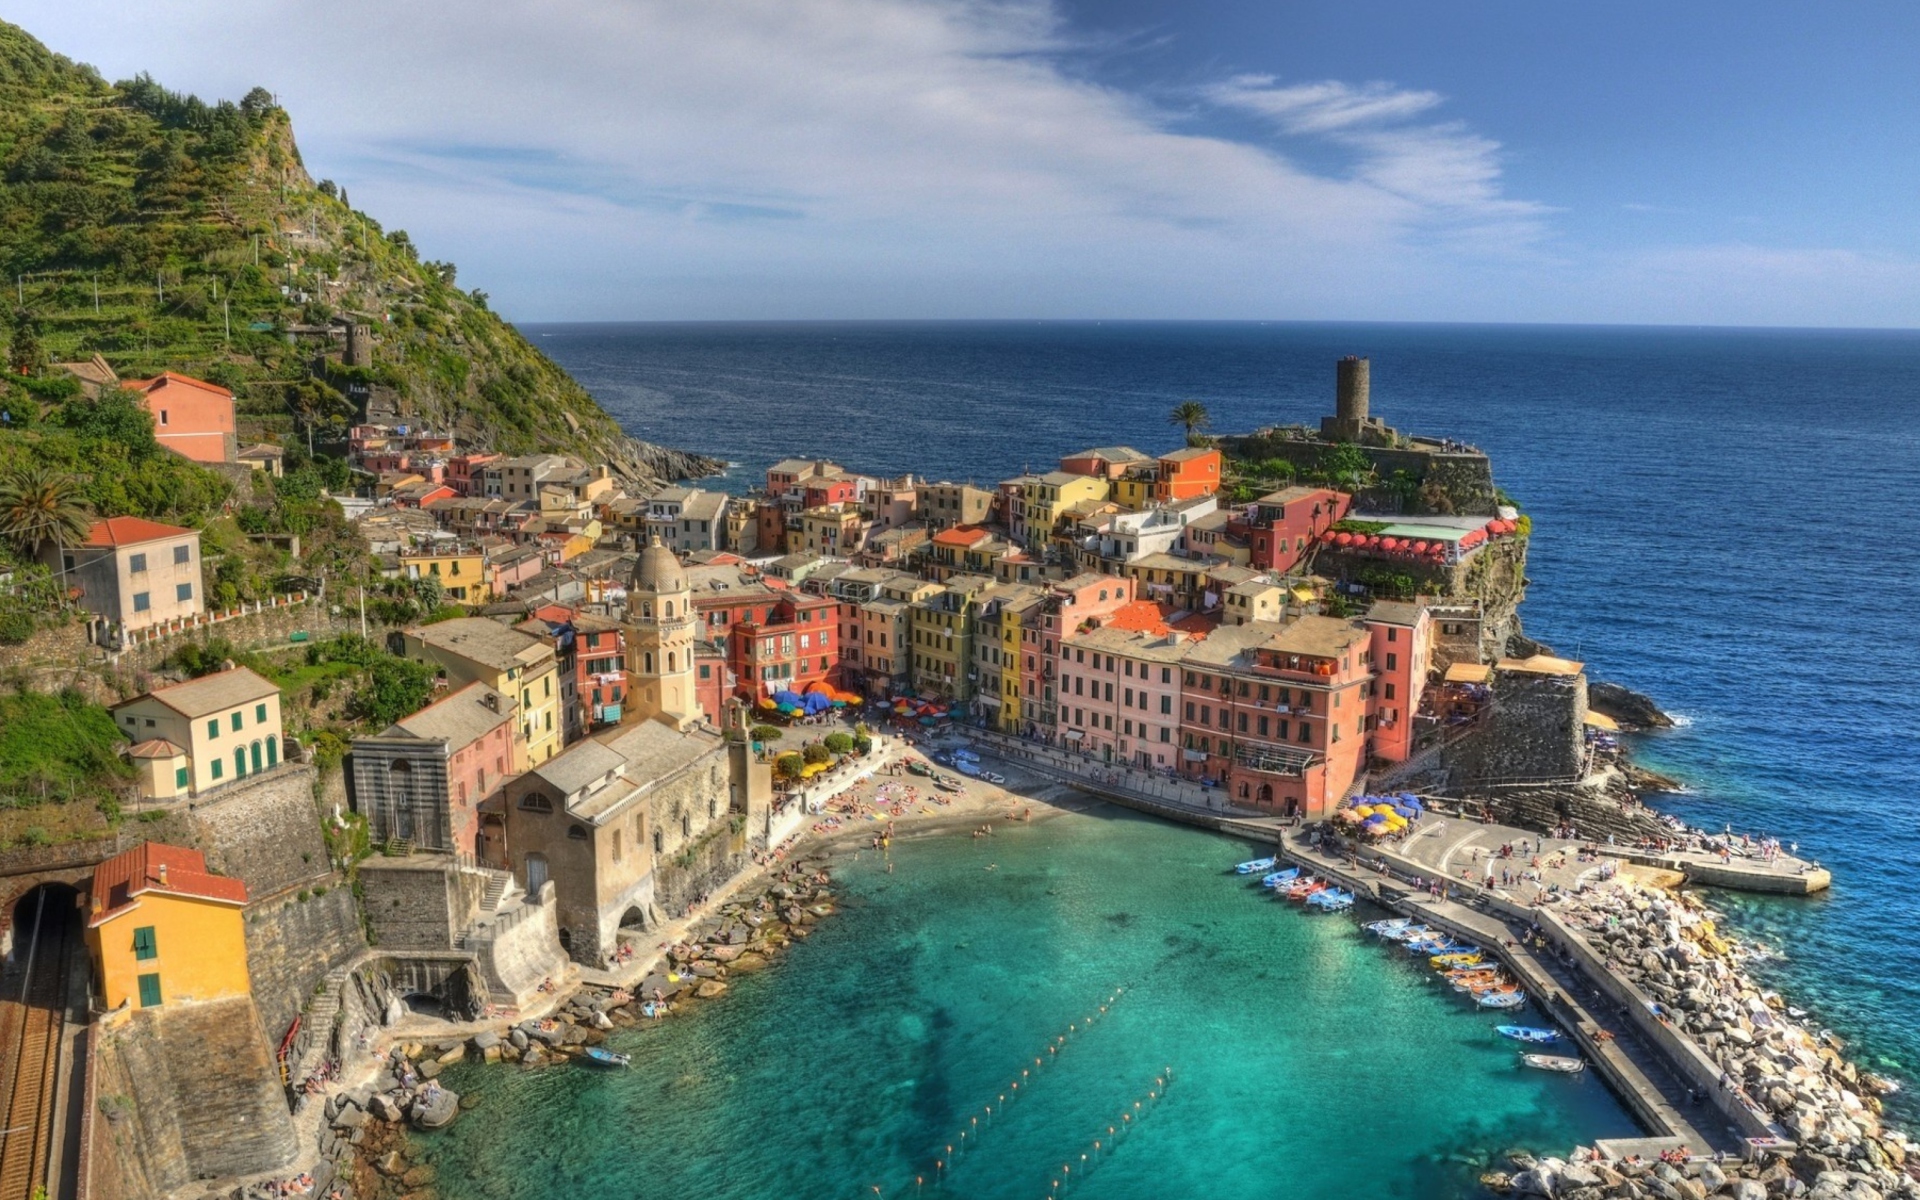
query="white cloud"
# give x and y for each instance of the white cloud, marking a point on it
(853, 158)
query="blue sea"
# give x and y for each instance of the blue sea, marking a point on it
(1728, 520)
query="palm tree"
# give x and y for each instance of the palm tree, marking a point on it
(1190, 415)
(40, 504)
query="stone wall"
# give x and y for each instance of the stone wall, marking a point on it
(700, 867)
(293, 943)
(418, 903)
(522, 949)
(188, 1092)
(1535, 733)
(264, 830)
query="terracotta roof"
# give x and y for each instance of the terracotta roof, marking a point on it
(130, 531)
(172, 377)
(119, 882)
(1141, 616)
(210, 693)
(961, 535)
(154, 748)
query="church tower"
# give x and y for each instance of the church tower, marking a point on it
(660, 636)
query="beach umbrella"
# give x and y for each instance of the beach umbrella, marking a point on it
(767, 702)
(1343, 539)
(1419, 547)
(1388, 543)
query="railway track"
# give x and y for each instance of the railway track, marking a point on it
(32, 1018)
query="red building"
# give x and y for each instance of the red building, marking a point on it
(793, 642)
(465, 473)
(1280, 527)
(1279, 719)
(191, 417)
(832, 489)
(592, 654)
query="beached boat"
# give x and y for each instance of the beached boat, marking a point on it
(607, 1058)
(1501, 1000)
(1279, 877)
(1529, 1034)
(1554, 1062)
(1255, 866)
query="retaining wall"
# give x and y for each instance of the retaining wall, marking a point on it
(292, 944)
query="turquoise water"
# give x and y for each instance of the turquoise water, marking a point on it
(1306, 1057)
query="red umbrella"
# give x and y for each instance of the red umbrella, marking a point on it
(1387, 543)
(1343, 539)
(1419, 547)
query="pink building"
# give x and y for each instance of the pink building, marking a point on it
(465, 473)
(1066, 608)
(424, 778)
(1120, 688)
(1402, 658)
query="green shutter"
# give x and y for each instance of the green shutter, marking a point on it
(179, 777)
(144, 946)
(213, 728)
(260, 714)
(149, 991)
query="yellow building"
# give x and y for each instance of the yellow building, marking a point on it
(462, 572)
(941, 626)
(163, 930)
(205, 732)
(1133, 491)
(476, 650)
(1051, 495)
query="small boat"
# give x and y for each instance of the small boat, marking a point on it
(1255, 866)
(1305, 888)
(1528, 1033)
(1390, 926)
(1331, 900)
(1554, 1062)
(1501, 1000)
(607, 1058)
(1454, 962)
(917, 767)
(1279, 877)
(946, 784)
(1434, 945)
(1406, 933)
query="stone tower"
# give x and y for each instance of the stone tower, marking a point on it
(660, 636)
(750, 781)
(1351, 420)
(359, 351)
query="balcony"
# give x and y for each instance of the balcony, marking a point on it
(1274, 760)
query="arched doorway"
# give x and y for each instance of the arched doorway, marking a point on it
(1265, 798)
(400, 796)
(273, 751)
(240, 762)
(254, 755)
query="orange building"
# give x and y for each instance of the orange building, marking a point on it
(191, 417)
(162, 929)
(1188, 474)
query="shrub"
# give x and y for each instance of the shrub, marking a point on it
(765, 733)
(788, 766)
(840, 743)
(817, 753)
(863, 745)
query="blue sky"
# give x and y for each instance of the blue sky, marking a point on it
(1724, 163)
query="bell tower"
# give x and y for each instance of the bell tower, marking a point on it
(660, 638)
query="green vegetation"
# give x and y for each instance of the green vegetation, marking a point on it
(765, 734)
(839, 743)
(1190, 415)
(57, 748)
(1351, 525)
(164, 232)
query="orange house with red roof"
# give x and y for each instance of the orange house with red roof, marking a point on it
(163, 929)
(191, 417)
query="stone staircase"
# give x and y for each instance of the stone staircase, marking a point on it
(316, 1026)
(501, 892)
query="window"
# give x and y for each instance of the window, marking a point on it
(1393, 660)
(183, 592)
(182, 555)
(260, 714)
(1166, 705)
(149, 991)
(213, 728)
(218, 768)
(137, 564)
(163, 418)
(576, 833)
(1389, 691)
(535, 802)
(237, 720)
(1166, 735)
(1393, 635)
(180, 777)
(144, 946)
(142, 602)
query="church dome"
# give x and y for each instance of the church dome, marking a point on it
(658, 570)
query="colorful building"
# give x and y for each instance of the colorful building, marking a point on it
(1402, 660)
(461, 571)
(424, 778)
(794, 643)
(1188, 474)
(162, 929)
(1049, 497)
(518, 665)
(1119, 688)
(191, 737)
(946, 504)
(191, 417)
(1106, 462)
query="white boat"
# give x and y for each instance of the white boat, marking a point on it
(1384, 928)
(1406, 933)
(1280, 877)
(1500, 999)
(1554, 1062)
(1255, 865)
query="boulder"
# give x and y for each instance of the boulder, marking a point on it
(454, 1055)
(350, 1117)
(710, 989)
(430, 1069)
(518, 1037)
(420, 1176)
(601, 1021)
(386, 1108)
(1711, 1177)
(435, 1111)
(1747, 1189)
(485, 1040)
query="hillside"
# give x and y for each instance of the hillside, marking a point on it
(159, 231)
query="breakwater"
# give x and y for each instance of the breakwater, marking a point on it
(1655, 997)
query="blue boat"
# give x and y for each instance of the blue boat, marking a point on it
(1279, 877)
(1407, 933)
(1528, 1034)
(607, 1058)
(1331, 900)
(1255, 866)
(1388, 927)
